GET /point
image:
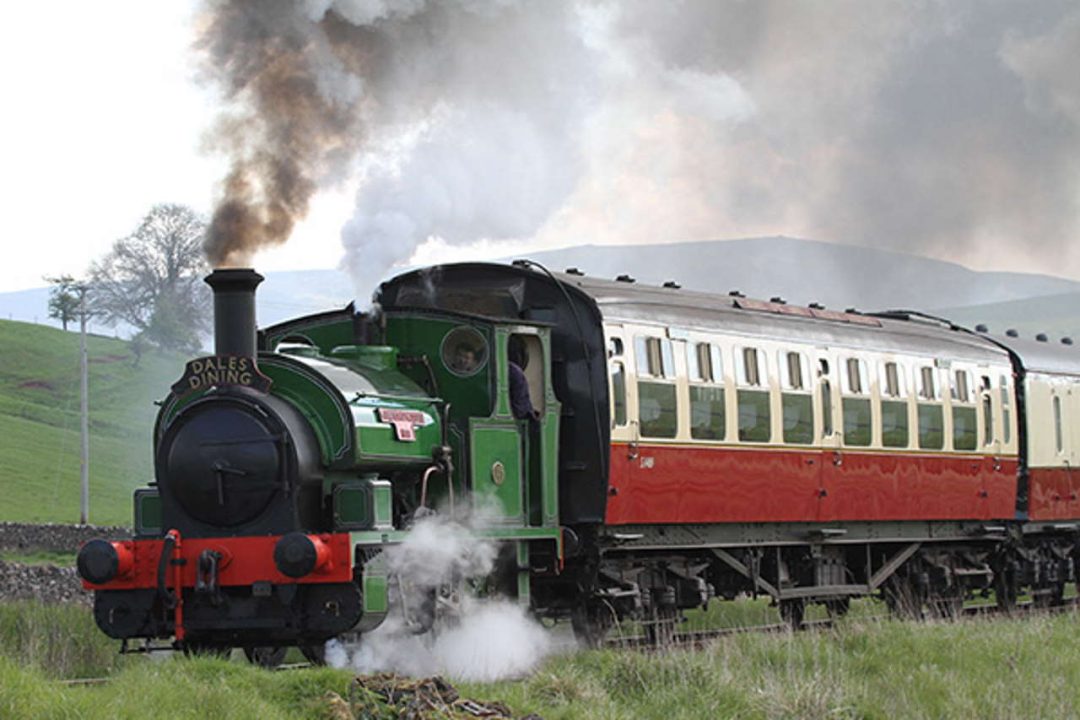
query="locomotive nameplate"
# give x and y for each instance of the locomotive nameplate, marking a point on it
(221, 370)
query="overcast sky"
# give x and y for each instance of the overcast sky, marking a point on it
(950, 129)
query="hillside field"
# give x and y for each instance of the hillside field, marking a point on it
(39, 423)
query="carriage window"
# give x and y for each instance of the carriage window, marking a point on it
(961, 386)
(703, 361)
(794, 371)
(892, 382)
(657, 410)
(964, 416)
(855, 380)
(618, 393)
(857, 412)
(858, 424)
(707, 412)
(1058, 436)
(798, 418)
(826, 399)
(708, 419)
(755, 417)
(988, 410)
(894, 423)
(931, 427)
(1005, 417)
(750, 367)
(928, 383)
(796, 402)
(654, 357)
(755, 420)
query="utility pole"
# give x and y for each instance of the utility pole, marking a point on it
(84, 464)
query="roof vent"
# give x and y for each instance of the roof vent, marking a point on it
(816, 306)
(735, 293)
(672, 284)
(980, 328)
(852, 311)
(520, 263)
(1012, 333)
(625, 279)
(1066, 341)
(1041, 337)
(574, 271)
(778, 300)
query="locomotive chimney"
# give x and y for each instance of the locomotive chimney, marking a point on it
(234, 310)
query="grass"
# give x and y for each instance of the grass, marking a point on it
(39, 423)
(864, 668)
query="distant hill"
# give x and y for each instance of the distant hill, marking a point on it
(1056, 315)
(801, 271)
(39, 423)
(804, 271)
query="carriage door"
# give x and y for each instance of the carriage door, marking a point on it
(624, 431)
(826, 396)
(992, 471)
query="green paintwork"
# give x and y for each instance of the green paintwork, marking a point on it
(148, 513)
(495, 465)
(325, 331)
(318, 400)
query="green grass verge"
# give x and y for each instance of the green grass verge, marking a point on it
(39, 423)
(864, 668)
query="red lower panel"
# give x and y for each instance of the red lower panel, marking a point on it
(244, 561)
(1054, 493)
(669, 484)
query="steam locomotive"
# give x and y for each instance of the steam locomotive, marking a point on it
(684, 446)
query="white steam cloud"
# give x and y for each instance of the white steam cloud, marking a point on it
(487, 639)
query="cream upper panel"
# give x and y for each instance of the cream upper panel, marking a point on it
(975, 390)
(1053, 416)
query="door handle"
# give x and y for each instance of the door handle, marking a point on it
(632, 451)
(837, 459)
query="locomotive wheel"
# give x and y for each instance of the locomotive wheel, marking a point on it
(202, 648)
(265, 656)
(591, 623)
(314, 654)
(838, 607)
(948, 606)
(903, 600)
(660, 628)
(792, 612)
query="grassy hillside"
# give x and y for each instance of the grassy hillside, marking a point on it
(1055, 315)
(39, 423)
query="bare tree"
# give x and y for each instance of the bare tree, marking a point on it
(152, 279)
